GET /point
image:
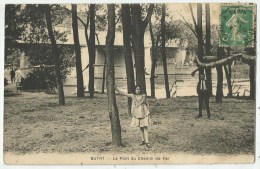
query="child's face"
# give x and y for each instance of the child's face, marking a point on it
(137, 90)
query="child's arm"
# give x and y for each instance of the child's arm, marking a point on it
(122, 93)
(147, 104)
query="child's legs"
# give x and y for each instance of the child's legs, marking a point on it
(200, 96)
(142, 133)
(146, 134)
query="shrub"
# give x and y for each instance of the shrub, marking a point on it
(40, 80)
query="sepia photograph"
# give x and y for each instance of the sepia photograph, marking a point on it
(130, 83)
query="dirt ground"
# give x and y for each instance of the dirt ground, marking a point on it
(35, 123)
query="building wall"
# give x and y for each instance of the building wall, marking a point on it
(119, 62)
(176, 56)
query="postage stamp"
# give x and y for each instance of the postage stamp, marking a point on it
(237, 25)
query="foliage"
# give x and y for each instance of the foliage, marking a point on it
(40, 79)
(44, 77)
(44, 55)
(176, 32)
(14, 58)
(14, 28)
(101, 17)
(32, 31)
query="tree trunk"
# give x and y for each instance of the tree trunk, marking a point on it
(219, 92)
(126, 23)
(110, 79)
(208, 46)
(229, 83)
(154, 60)
(166, 81)
(55, 51)
(228, 73)
(92, 51)
(252, 80)
(227, 69)
(104, 76)
(80, 83)
(200, 36)
(252, 66)
(138, 46)
(138, 30)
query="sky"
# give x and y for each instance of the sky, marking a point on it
(180, 10)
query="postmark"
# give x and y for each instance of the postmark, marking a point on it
(237, 25)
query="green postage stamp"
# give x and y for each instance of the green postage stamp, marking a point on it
(237, 25)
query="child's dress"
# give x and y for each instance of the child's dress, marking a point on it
(140, 112)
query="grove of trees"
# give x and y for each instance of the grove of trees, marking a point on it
(36, 24)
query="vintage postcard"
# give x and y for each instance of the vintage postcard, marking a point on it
(166, 83)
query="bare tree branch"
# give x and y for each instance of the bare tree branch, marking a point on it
(97, 39)
(86, 35)
(87, 23)
(86, 28)
(148, 16)
(193, 31)
(177, 26)
(118, 18)
(151, 33)
(77, 16)
(194, 71)
(193, 18)
(225, 60)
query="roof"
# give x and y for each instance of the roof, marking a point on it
(101, 36)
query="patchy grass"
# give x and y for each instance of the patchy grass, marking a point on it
(35, 123)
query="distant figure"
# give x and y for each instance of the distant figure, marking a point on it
(140, 113)
(12, 73)
(203, 95)
(146, 73)
(18, 77)
(5, 82)
(18, 80)
(7, 74)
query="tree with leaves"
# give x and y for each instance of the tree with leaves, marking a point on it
(126, 24)
(219, 91)
(93, 22)
(14, 27)
(166, 81)
(228, 73)
(92, 49)
(208, 47)
(80, 83)
(153, 59)
(47, 9)
(200, 36)
(36, 45)
(110, 79)
(155, 34)
(138, 30)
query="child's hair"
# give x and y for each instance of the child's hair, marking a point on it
(141, 90)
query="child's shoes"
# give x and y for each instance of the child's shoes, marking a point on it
(142, 143)
(148, 145)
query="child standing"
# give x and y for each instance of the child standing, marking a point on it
(140, 113)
